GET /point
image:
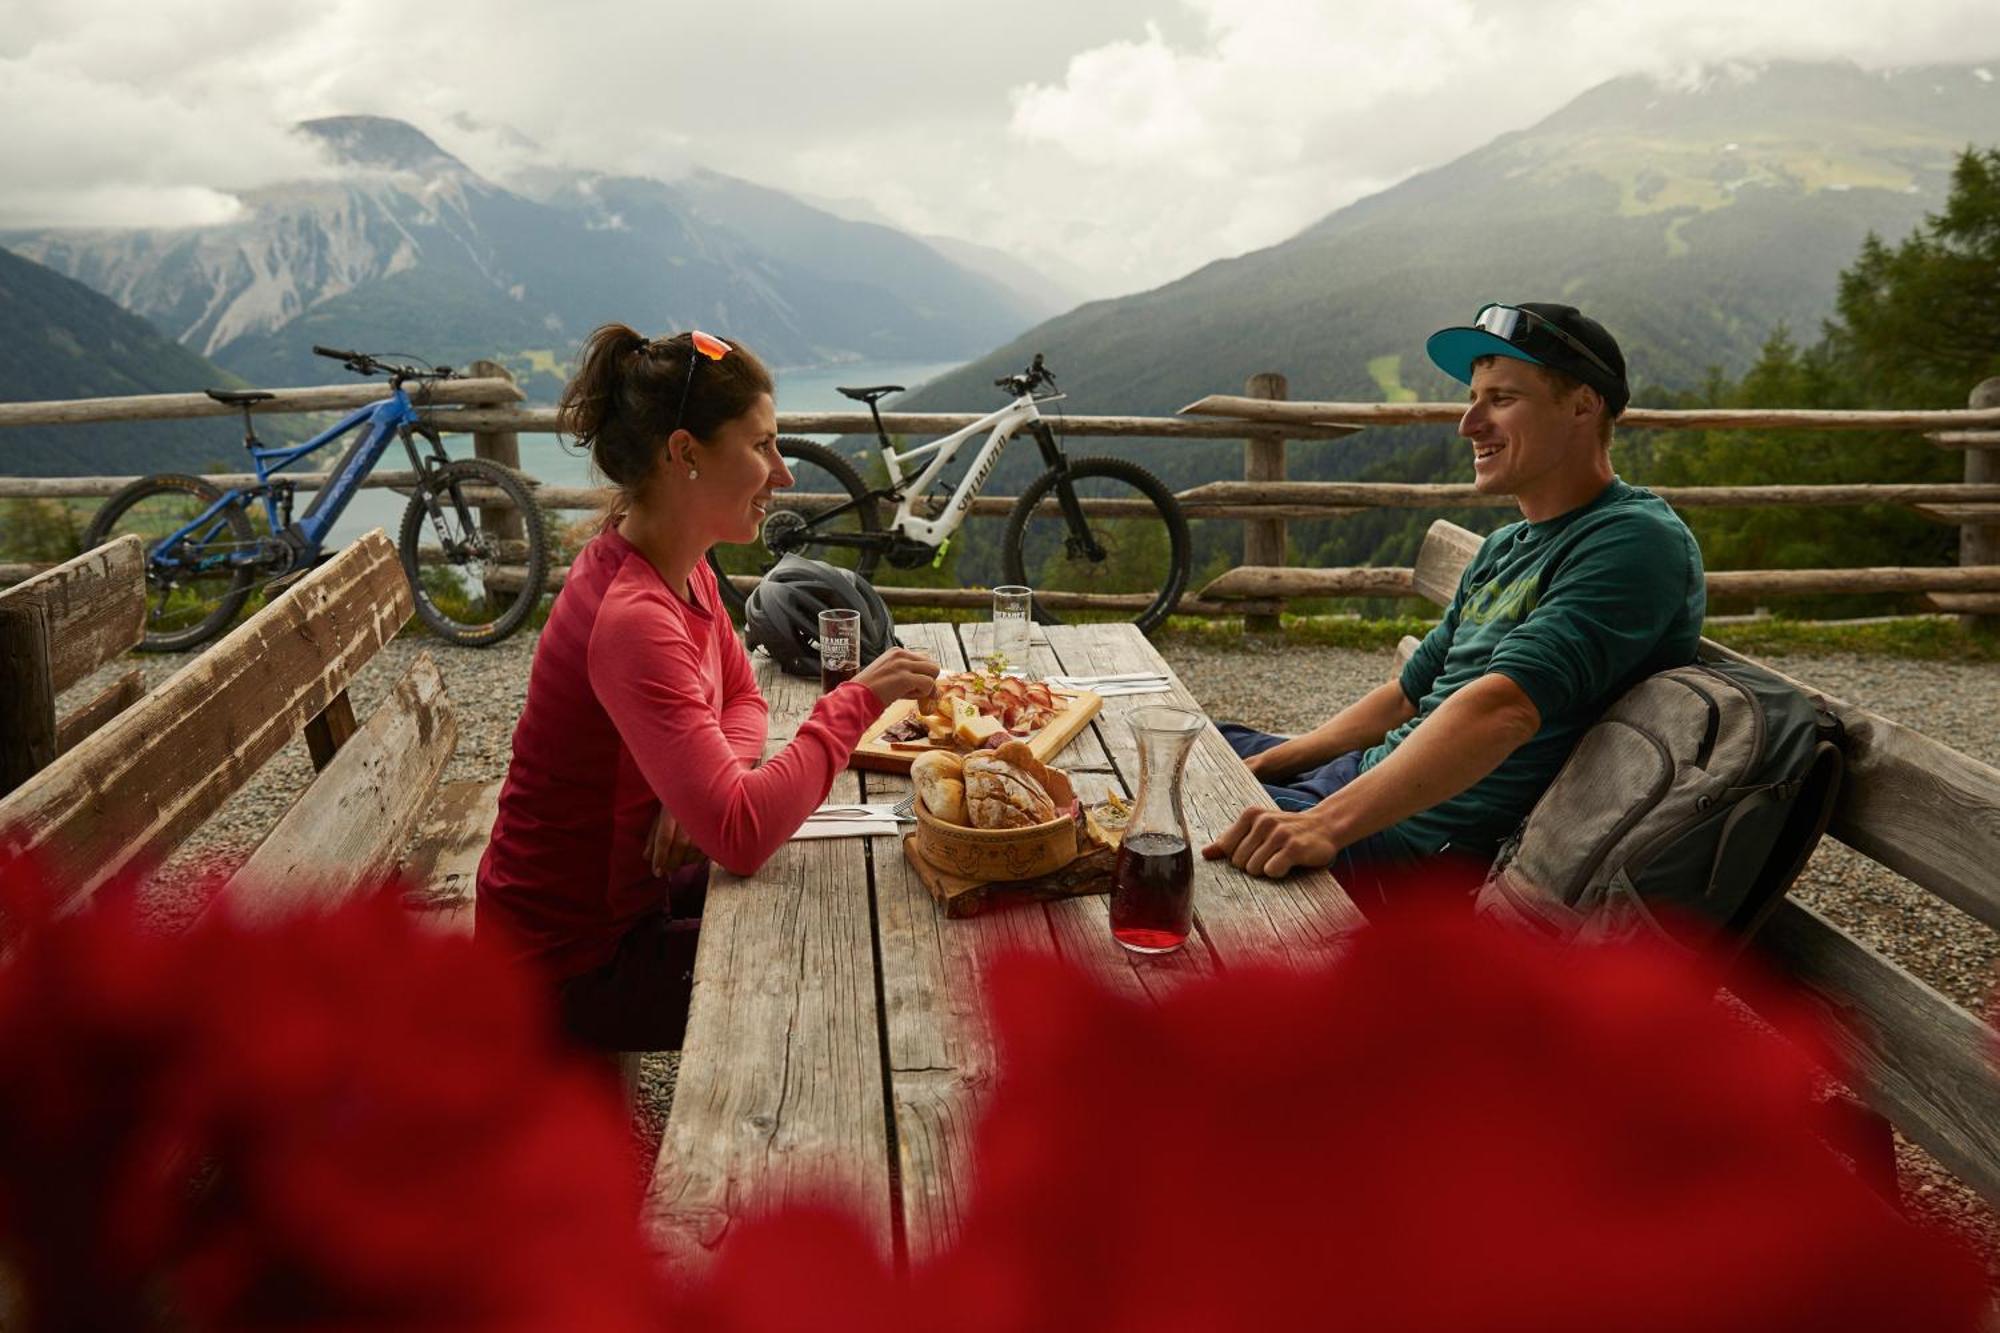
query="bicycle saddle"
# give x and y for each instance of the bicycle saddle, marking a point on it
(869, 395)
(240, 397)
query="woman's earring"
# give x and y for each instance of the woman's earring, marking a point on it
(692, 474)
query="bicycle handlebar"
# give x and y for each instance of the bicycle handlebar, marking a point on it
(1026, 382)
(361, 363)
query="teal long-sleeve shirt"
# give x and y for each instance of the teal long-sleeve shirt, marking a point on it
(1575, 610)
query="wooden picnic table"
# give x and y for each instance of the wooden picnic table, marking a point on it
(836, 1050)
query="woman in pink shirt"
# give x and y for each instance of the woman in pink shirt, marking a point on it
(636, 761)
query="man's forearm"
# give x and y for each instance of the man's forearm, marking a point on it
(1361, 724)
(1467, 738)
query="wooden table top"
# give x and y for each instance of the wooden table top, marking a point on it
(836, 1050)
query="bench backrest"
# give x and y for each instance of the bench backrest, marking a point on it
(56, 629)
(126, 796)
(1930, 814)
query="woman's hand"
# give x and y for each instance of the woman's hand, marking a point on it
(668, 846)
(1263, 767)
(900, 673)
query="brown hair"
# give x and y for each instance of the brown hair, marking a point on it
(622, 401)
(1563, 385)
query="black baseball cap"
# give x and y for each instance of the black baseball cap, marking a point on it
(1560, 337)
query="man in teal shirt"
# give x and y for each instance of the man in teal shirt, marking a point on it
(1598, 586)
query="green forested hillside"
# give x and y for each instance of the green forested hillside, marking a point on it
(1693, 221)
(63, 340)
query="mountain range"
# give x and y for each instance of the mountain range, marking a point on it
(65, 341)
(1691, 218)
(403, 247)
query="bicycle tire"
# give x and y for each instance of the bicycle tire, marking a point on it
(459, 602)
(1171, 574)
(758, 557)
(217, 599)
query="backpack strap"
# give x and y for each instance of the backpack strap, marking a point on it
(1802, 830)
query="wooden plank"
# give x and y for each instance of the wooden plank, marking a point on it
(28, 736)
(345, 832)
(1406, 648)
(96, 607)
(129, 794)
(543, 420)
(1965, 439)
(942, 1060)
(1428, 495)
(1280, 581)
(181, 406)
(1960, 514)
(440, 871)
(1446, 551)
(1965, 603)
(781, 1095)
(1296, 414)
(1300, 920)
(1920, 1060)
(108, 703)
(330, 730)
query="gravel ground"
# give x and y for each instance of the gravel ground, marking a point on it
(1282, 689)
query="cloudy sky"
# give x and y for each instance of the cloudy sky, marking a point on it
(1125, 141)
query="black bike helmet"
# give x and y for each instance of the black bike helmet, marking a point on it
(781, 615)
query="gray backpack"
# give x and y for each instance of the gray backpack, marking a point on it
(1685, 812)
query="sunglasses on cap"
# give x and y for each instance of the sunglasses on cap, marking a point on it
(705, 345)
(1512, 324)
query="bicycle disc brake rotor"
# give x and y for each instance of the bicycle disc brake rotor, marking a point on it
(781, 530)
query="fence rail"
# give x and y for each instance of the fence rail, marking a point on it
(488, 407)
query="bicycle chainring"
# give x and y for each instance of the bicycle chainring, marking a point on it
(781, 531)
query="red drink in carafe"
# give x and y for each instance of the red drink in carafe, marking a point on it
(832, 678)
(1152, 893)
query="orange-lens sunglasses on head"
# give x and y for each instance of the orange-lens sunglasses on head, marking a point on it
(705, 344)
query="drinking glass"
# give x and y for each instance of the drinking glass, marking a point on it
(839, 648)
(1013, 628)
(1152, 885)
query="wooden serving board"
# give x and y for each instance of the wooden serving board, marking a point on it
(1089, 873)
(879, 756)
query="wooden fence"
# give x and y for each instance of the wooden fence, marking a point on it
(488, 407)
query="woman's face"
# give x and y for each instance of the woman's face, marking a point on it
(738, 468)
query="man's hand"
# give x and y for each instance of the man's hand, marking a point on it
(1264, 769)
(1273, 842)
(668, 846)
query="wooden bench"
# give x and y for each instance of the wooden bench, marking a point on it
(56, 629)
(125, 796)
(1930, 814)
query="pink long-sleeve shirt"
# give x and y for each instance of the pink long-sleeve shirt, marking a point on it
(639, 700)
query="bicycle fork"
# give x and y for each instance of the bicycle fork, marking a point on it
(441, 459)
(1081, 543)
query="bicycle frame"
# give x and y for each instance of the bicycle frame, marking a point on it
(384, 420)
(1001, 424)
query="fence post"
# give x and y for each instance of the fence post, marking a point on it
(503, 447)
(1979, 543)
(27, 696)
(1264, 460)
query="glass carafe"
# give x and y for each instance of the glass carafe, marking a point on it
(1152, 889)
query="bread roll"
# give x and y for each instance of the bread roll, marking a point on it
(1001, 793)
(939, 779)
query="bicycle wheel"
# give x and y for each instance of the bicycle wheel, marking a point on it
(819, 471)
(196, 586)
(475, 581)
(1139, 530)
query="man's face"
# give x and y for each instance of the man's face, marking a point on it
(1526, 435)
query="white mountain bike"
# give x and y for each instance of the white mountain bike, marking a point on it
(1100, 526)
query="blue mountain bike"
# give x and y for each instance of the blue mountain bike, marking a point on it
(475, 582)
